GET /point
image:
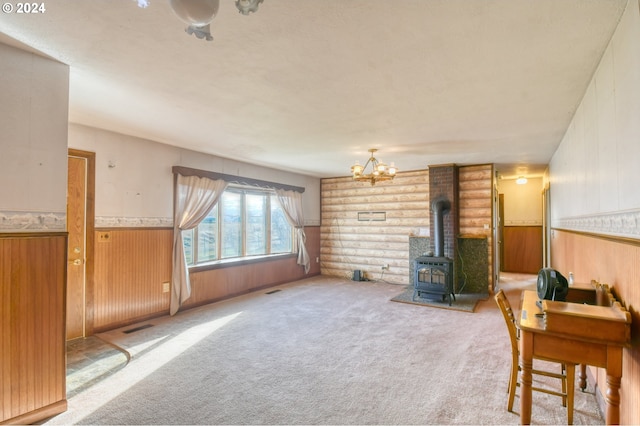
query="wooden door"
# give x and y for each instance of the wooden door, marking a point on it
(501, 231)
(76, 247)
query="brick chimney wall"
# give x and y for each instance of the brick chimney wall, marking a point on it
(443, 183)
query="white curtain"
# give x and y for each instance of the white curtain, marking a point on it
(194, 198)
(291, 202)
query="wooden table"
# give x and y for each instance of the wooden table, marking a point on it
(557, 331)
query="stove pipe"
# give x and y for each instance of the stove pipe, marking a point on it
(439, 208)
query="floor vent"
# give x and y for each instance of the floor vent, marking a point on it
(272, 291)
(133, 330)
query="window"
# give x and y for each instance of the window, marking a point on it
(245, 222)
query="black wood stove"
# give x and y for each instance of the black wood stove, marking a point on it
(433, 277)
(434, 274)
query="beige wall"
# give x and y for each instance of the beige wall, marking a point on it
(134, 182)
(594, 178)
(594, 174)
(33, 142)
(522, 203)
(33, 175)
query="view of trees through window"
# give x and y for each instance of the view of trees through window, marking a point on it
(244, 222)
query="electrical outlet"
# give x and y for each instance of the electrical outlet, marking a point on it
(165, 287)
(104, 237)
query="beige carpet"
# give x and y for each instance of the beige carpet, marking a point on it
(319, 351)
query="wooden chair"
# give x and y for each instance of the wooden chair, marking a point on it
(567, 371)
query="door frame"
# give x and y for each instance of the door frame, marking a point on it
(89, 285)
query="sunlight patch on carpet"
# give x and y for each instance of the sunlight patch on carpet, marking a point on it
(465, 302)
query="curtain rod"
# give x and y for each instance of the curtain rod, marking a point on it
(187, 171)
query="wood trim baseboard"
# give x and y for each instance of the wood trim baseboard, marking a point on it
(38, 415)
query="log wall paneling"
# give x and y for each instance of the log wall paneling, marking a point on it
(476, 208)
(130, 267)
(347, 244)
(615, 262)
(32, 326)
(522, 249)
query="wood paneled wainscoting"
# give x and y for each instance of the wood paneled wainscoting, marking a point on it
(616, 262)
(522, 247)
(132, 264)
(32, 326)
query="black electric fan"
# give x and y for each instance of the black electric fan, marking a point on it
(552, 285)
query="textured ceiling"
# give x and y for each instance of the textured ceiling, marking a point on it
(310, 85)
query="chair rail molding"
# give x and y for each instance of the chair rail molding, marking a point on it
(32, 221)
(620, 224)
(133, 222)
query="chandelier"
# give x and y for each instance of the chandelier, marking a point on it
(379, 171)
(198, 14)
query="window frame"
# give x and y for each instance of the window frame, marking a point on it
(220, 261)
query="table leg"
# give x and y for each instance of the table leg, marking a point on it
(583, 377)
(614, 375)
(526, 379)
(613, 400)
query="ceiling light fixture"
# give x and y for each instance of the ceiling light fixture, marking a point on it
(248, 6)
(198, 14)
(379, 171)
(521, 180)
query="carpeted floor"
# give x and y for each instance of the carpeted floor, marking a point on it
(319, 351)
(465, 302)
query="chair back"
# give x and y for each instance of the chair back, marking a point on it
(509, 318)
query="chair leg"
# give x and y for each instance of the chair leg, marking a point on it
(513, 382)
(563, 370)
(571, 384)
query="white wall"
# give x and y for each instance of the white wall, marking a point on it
(595, 173)
(522, 203)
(134, 182)
(34, 105)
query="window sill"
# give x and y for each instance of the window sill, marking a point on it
(228, 263)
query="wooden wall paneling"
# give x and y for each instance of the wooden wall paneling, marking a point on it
(522, 249)
(217, 284)
(130, 267)
(313, 248)
(615, 262)
(32, 330)
(132, 264)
